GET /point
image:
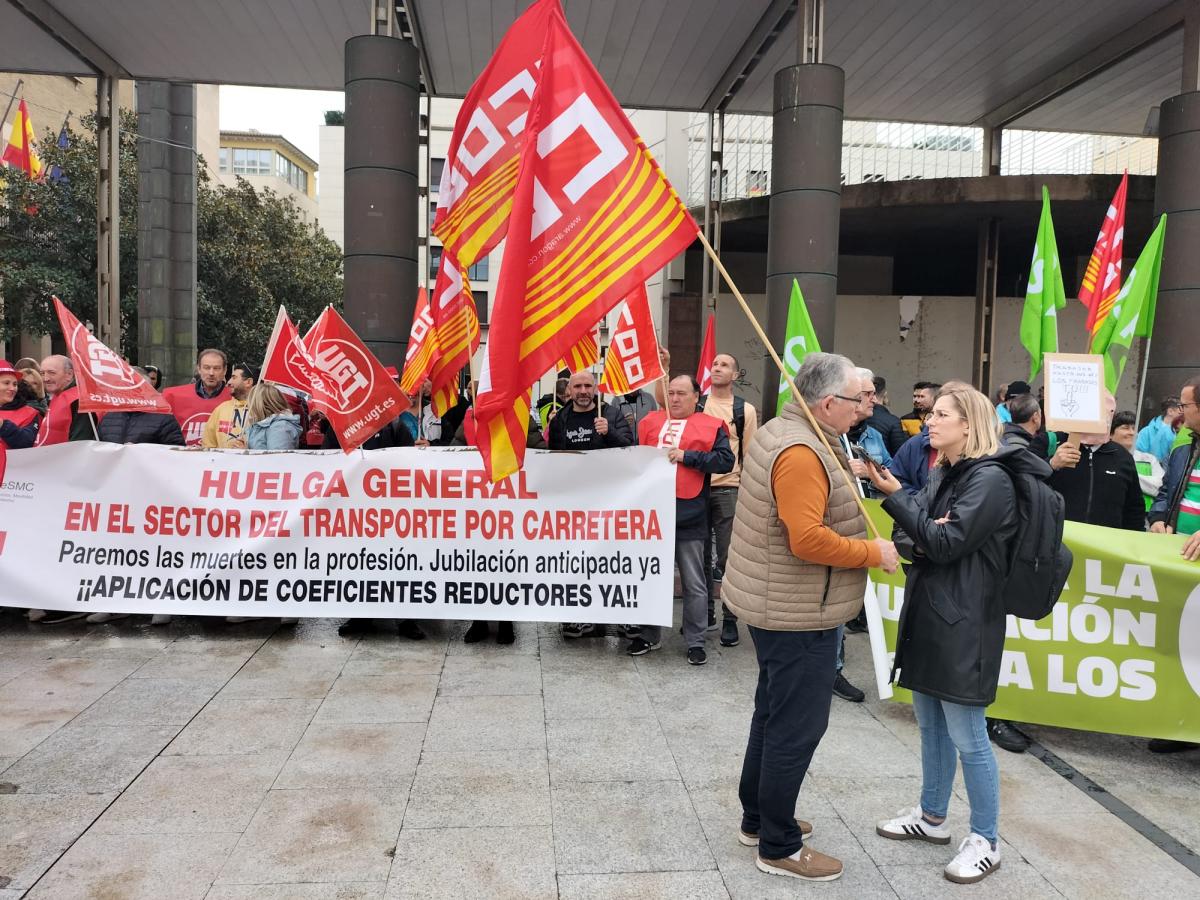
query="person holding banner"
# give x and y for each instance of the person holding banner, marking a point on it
(797, 570)
(958, 531)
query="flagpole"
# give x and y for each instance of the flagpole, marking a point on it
(783, 371)
(12, 98)
(1142, 382)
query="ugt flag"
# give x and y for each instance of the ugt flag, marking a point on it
(632, 359)
(708, 353)
(1133, 310)
(593, 216)
(800, 339)
(1045, 295)
(106, 382)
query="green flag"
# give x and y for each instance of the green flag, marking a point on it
(800, 340)
(1132, 314)
(1045, 295)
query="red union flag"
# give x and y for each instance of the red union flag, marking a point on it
(1102, 279)
(457, 325)
(476, 190)
(708, 353)
(106, 382)
(632, 360)
(423, 350)
(593, 217)
(288, 362)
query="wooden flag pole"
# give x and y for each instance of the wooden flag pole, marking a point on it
(762, 336)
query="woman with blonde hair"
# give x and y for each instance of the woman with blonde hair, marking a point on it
(270, 422)
(958, 532)
(33, 378)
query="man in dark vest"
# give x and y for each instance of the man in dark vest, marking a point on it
(698, 444)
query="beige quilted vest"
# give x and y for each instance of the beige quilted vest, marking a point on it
(765, 585)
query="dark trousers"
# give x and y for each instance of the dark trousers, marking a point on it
(791, 713)
(722, 503)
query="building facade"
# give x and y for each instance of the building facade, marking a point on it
(271, 162)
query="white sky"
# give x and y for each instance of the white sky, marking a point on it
(297, 115)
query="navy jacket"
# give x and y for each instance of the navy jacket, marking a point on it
(911, 464)
(1179, 466)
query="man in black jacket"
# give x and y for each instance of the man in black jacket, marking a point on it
(885, 421)
(581, 426)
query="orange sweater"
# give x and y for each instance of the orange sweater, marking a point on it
(801, 489)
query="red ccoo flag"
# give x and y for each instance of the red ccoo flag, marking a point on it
(457, 326)
(593, 216)
(632, 359)
(106, 382)
(476, 191)
(1102, 279)
(708, 352)
(423, 350)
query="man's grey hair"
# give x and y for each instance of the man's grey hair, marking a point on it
(866, 373)
(823, 374)
(1022, 408)
(64, 361)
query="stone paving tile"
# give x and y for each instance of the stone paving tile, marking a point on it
(150, 701)
(526, 642)
(136, 867)
(232, 726)
(363, 699)
(414, 658)
(29, 722)
(361, 890)
(486, 723)
(318, 835)
(89, 759)
(199, 659)
(476, 676)
(639, 826)
(273, 676)
(624, 749)
(193, 795)
(36, 828)
(457, 863)
(354, 756)
(578, 694)
(641, 885)
(1014, 878)
(479, 790)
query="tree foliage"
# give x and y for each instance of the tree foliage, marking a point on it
(253, 251)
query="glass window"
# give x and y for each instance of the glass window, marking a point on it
(435, 173)
(481, 305)
(479, 271)
(435, 260)
(223, 159)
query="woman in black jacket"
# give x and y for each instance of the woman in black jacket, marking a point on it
(957, 531)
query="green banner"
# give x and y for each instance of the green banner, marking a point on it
(1120, 653)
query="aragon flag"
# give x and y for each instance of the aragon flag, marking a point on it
(632, 359)
(423, 350)
(1102, 278)
(476, 190)
(106, 382)
(583, 355)
(457, 326)
(593, 216)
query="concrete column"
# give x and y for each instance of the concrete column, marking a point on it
(806, 197)
(1174, 350)
(108, 213)
(986, 266)
(167, 228)
(383, 87)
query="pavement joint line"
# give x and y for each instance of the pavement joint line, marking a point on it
(1161, 839)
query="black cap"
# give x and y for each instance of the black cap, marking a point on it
(1016, 388)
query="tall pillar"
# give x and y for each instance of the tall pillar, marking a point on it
(987, 264)
(383, 87)
(806, 198)
(1174, 350)
(108, 212)
(167, 228)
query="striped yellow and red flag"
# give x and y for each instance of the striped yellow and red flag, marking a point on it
(20, 152)
(584, 355)
(423, 349)
(1102, 278)
(593, 216)
(480, 173)
(632, 359)
(457, 325)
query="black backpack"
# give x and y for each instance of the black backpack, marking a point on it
(739, 419)
(1040, 561)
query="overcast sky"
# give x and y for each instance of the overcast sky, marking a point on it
(295, 114)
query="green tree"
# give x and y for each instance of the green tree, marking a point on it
(254, 251)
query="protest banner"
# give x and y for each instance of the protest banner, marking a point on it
(1119, 654)
(400, 533)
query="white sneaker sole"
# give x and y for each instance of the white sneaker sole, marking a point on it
(971, 879)
(905, 836)
(763, 866)
(751, 840)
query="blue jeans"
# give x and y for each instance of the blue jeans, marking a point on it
(946, 729)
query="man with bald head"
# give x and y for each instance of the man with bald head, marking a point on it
(64, 422)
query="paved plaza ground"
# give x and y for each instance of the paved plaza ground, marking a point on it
(225, 762)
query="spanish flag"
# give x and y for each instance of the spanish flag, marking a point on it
(20, 154)
(593, 216)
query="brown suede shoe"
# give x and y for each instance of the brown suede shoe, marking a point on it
(811, 866)
(750, 839)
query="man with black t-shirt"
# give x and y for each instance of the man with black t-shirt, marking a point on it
(580, 425)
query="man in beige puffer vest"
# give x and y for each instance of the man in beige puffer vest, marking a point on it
(796, 571)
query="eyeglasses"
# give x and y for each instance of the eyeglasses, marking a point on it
(857, 399)
(1185, 404)
(941, 415)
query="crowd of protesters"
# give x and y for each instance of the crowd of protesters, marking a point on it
(767, 523)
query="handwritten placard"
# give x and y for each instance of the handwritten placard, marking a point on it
(1075, 393)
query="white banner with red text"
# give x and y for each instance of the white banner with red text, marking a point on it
(401, 533)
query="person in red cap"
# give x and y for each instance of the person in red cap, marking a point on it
(19, 420)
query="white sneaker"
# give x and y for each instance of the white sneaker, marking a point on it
(35, 615)
(910, 825)
(160, 619)
(976, 860)
(102, 617)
